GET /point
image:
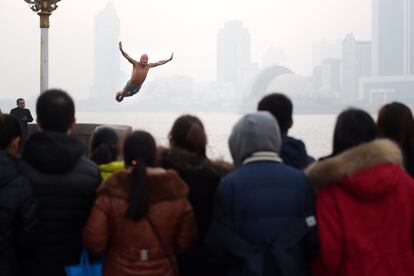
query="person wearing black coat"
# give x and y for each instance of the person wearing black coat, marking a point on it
(187, 156)
(22, 115)
(64, 182)
(18, 207)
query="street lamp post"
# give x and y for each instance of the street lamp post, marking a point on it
(44, 9)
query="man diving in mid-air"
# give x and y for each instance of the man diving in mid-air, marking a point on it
(139, 74)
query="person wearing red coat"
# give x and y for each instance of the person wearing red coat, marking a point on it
(365, 212)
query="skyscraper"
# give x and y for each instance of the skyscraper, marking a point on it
(411, 34)
(393, 37)
(325, 50)
(233, 53)
(356, 63)
(107, 78)
(331, 74)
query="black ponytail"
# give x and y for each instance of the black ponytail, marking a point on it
(140, 153)
(139, 194)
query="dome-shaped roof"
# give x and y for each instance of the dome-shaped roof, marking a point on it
(293, 85)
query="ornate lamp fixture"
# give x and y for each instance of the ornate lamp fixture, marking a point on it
(44, 9)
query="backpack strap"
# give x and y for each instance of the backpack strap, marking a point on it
(164, 248)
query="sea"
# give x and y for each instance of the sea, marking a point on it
(316, 131)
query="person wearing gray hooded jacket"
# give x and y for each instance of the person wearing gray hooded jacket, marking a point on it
(263, 220)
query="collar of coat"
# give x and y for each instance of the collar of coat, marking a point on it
(263, 156)
(188, 162)
(367, 155)
(163, 185)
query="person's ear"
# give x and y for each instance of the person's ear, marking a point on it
(14, 146)
(72, 126)
(172, 143)
(39, 123)
(290, 123)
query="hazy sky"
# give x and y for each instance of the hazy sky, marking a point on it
(158, 27)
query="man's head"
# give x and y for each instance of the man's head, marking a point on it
(55, 111)
(20, 103)
(10, 133)
(280, 107)
(144, 59)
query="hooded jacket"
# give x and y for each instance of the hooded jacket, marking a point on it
(18, 217)
(365, 211)
(293, 153)
(259, 223)
(202, 177)
(64, 183)
(108, 169)
(131, 247)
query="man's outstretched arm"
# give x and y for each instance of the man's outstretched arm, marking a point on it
(161, 62)
(131, 60)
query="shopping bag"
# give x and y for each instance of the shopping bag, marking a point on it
(85, 268)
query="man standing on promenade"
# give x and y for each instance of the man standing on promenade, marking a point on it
(23, 115)
(64, 182)
(139, 74)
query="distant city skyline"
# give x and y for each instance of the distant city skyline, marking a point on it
(159, 27)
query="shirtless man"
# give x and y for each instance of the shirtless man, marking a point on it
(139, 74)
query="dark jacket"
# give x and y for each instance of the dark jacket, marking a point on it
(261, 208)
(65, 184)
(202, 177)
(365, 211)
(293, 153)
(132, 247)
(24, 116)
(263, 220)
(18, 217)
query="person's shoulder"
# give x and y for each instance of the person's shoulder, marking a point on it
(289, 140)
(86, 166)
(87, 163)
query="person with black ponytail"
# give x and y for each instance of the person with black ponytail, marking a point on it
(187, 155)
(141, 218)
(105, 149)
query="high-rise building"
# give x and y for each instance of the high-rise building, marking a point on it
(325, 50)
(233, 53)
(331, 74)
(393, 37)
(356, 63)
(317, 77)
(411, 35)
(107, 78)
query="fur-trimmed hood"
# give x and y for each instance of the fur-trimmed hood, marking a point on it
(188, 162)
(368, 170)
(163, 185)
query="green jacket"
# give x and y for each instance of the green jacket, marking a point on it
(108, 169)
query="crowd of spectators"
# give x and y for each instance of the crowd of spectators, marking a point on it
(169, 211)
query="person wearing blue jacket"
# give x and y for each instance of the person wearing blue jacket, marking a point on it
(263, 221)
